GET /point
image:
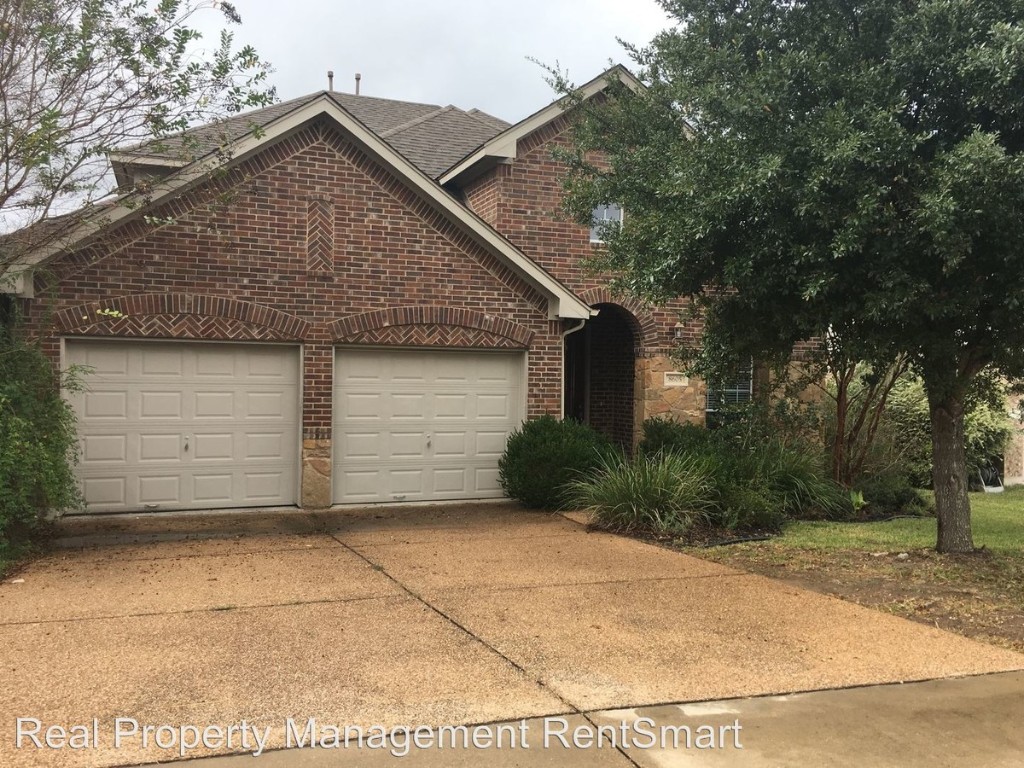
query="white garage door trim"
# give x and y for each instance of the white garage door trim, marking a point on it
(416, 424)
(177, 425)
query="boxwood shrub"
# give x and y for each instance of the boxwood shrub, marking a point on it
(544, 455)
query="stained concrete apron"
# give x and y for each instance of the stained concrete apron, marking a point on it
(422, 616)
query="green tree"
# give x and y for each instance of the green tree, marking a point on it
(83, 77)
(845, 166)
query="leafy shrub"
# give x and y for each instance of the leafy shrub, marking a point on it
(891, 494)
(747, 507)
(666, 435)
(903, 443)
(37, 441)
(545, 455)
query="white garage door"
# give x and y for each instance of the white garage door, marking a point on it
(174, 425)
(415, 425)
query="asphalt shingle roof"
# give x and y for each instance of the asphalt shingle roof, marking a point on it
(431, 137)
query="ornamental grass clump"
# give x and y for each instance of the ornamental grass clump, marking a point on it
(662, 494)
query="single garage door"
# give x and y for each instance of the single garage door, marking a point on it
(419, 425)
(177, 425)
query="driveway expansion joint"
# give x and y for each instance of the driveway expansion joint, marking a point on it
(188, 611)
(573, 709)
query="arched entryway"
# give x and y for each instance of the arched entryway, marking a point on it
(600, 373)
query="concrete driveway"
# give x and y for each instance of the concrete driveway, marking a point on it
(419, 616)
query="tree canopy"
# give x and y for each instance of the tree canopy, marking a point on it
(843, 167)
(83, 77)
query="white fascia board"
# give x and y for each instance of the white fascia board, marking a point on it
(18, 283)
(130, 158)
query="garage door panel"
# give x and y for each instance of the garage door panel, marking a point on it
(213, 489)
(447, 406)
(98, 449)
(415, 425)
(451, 480)
(263, 485)
(265, 405)
(451, 444)
(361, 405)
(104, 361)
(404, 445)
(164, 448)
(486, 481)
(105, 405)
(162, 489)
(266, 445)
(109, 491)
(360, 484)
(215, 447)
(493, 407)
(163, 363)
(214, 405)
(235, 407)
(208, 367)
(160, 405)
(490, 444)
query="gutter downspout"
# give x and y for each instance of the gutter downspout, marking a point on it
(575, 329)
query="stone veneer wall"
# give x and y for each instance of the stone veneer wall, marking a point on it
(683, 404)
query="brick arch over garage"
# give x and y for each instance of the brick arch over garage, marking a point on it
(430, 325)
(181, 316)
(647, 326)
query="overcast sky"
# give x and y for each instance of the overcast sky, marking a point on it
(470, 53)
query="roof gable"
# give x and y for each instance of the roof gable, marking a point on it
(561, 301)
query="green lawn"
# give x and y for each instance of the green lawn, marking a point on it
(997, 521)
(893, 566)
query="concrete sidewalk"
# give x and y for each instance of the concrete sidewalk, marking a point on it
(937, 724)
(417, 616)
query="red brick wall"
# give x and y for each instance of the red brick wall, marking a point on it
(313, 230)
(522, 200)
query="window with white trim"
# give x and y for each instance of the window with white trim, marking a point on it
(602, 216)
(738, 389)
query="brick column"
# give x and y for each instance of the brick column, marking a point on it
(317, 395)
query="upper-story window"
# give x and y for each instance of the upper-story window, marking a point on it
(737, 390)
(603, 215)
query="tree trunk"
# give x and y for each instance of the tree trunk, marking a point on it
(949, 476)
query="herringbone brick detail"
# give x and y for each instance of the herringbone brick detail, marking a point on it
(434, 336)
(181, 327)
(320, 235)
(264, 322)
(429, 315)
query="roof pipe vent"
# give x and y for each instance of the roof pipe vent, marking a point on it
(330, 79)
(358, 78)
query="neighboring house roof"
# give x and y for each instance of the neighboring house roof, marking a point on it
(288, 117)
(430, 136)
(504, 145)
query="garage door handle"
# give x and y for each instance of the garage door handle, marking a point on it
(428, 440)
(186, 443)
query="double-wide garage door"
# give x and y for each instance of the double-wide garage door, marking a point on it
(422, 425)
(177, 425)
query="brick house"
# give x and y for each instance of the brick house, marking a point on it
(340, 300)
